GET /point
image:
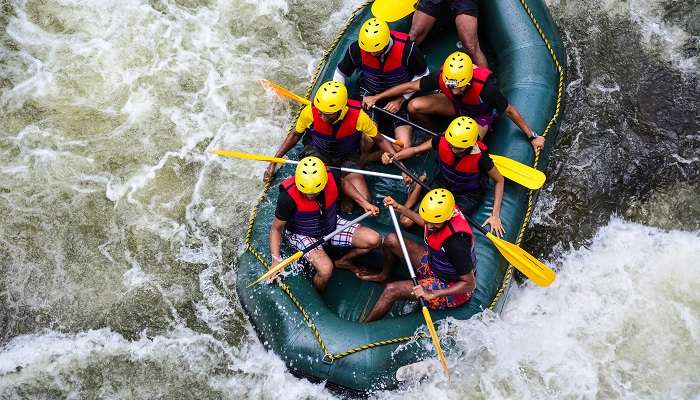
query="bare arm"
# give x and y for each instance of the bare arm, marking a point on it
(466, 284)
(494, 220)
(351, 191)
(384, 144)
(413, 151)
(412, 215)
(514, 115)
(290, 141)
(276, 239)
(396, 91)
(518, 120)
(276, 236)
(497, 190)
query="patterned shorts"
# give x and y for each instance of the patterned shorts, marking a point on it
(343, 239)
(428, 280)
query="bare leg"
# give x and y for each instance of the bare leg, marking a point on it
(392, 292)
(410, 202)
(404, 133)
(420, 26)
(422, 108)
(366, 153)
(467, 32)
(358, 181)
(392, 249)
(363, 241)
(399, 289)
(324, 268)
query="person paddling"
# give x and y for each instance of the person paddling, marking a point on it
(463, 167)
(460, 89)
(386, 58)
(307, 210)
(446, 263)
(335, 126)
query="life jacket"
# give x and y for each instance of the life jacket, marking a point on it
(437, 258)
(309, 219)
(469, 103)
(378, 77)
(461, 175)
(340, 139)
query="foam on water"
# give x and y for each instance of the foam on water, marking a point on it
(120, 232)
(660, 31)
(622, 320)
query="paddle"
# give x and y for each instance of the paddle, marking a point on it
(393, 10)
(531, 267)
(260, 157)
(426, 312)
(272, 271)
(517, 172)
(284, 92)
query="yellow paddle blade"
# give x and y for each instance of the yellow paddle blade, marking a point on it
(520, 173)
(392, 10)
(248, 156)
(436, 341)
(282, 91)
(278, 267)
(534, 269)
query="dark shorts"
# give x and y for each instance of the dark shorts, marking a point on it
(429, 281)
(452, 8)
(352, 161)
(385, 123)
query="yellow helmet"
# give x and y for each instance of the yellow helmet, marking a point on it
(374, 35)
(457, 69)
(331, 97)
(462, 132)
(437, 206)
(310, 176)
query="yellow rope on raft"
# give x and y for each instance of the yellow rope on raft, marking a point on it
(557, 108)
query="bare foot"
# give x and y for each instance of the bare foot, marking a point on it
(346, 205)
(349, 266)
(380, 277)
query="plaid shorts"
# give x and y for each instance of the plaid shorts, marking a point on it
(343, 239)
(428, 280)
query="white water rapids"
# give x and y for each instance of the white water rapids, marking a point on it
(119, 233)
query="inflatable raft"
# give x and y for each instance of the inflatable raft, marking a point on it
(318, 335)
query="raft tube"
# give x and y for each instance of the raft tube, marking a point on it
(318, 335)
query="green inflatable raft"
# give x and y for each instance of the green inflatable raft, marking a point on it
(318, 335)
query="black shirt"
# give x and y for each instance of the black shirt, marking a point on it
(490, 93)
(458, 250)
(286, 207)
(412, 59)
(485, 163)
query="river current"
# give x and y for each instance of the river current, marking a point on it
(120, 236)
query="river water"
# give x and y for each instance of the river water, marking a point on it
(119, 237)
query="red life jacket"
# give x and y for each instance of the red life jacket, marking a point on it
(340, 139)
(378, 77)
(309, 219)
(460, 175)
(437, 258)
(469, 103)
